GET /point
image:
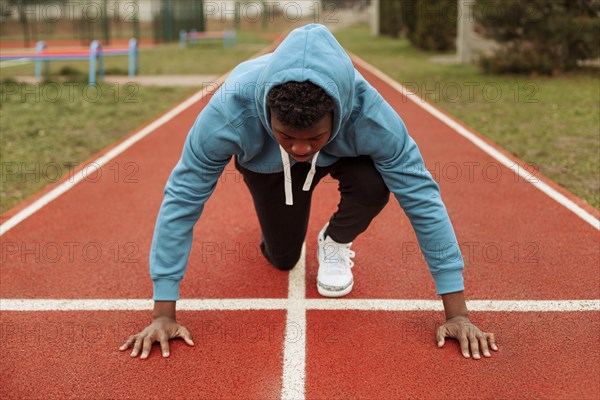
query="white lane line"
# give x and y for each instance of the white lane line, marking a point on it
(138, 304)
(473, 138)
(298, 304)
(294, 345)
(65, 186)
(436, 305)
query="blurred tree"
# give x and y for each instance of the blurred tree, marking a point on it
(545, 36)
(435, 25)
(390, 22)
(428, 24)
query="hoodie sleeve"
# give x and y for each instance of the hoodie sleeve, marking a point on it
(207, 150)
(381, 134)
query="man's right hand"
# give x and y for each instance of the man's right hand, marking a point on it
(162, 329)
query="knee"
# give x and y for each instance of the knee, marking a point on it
(283, 262)
(369, 187)
(374, 193)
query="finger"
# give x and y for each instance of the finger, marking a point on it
(440, 336)
(147, 346)
(137, 346)
(474, 347)
(492, 339)
(484, 345)
(186, 335)
(128, 343)
(164, 345)
(464, 346)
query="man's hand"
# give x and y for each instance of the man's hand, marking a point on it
(161, 330)
(468, 335)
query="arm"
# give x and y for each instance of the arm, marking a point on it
(401, 165)
(381, 134)
(208, 148)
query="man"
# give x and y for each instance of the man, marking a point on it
(304, 103)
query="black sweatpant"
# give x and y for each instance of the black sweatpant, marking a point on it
(283, 227)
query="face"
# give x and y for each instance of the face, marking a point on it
(303, 144)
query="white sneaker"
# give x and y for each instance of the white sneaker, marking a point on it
(334, 278)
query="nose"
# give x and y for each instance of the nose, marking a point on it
(301, 149)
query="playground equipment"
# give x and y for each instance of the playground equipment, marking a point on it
(95, 54)
(228, 37)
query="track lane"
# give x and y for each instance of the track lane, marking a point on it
(68, 355)
(389, 355)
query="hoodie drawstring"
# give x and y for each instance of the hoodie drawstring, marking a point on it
(287, 175)
(311, 173)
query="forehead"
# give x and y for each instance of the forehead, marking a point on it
(321, 124)
(323, 127)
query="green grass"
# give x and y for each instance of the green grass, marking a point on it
(46, 137)
(551, 122)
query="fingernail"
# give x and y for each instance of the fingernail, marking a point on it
(165, 354)
(476, 356)
(487, 354)
(466, 355)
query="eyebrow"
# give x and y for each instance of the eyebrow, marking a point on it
(314, 137)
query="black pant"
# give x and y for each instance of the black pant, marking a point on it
(283, 227)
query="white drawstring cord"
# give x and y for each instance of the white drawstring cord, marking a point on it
(311, 173)
(287, 176)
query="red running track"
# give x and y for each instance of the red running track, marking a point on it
(93, 242)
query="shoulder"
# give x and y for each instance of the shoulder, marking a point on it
(366, 97)
(236, 96)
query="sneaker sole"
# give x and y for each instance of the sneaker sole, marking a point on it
(334, 293)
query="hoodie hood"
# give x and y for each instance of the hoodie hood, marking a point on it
(309, 53)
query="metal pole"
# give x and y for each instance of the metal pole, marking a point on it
(136, 22)
(202, 26)
(94, 48)
(23, 20)
(236, 17)
(105, 27)
(133, 57)
(465, 31)
(375, 15)
(265, 16)
(169, 21)
(39, 48)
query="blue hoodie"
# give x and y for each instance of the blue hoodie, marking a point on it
(236, 122)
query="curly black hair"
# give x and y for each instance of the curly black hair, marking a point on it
(299, 105)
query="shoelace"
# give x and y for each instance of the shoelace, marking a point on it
(345, 255)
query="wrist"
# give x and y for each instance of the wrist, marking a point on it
(164, 309)
(455, 305)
